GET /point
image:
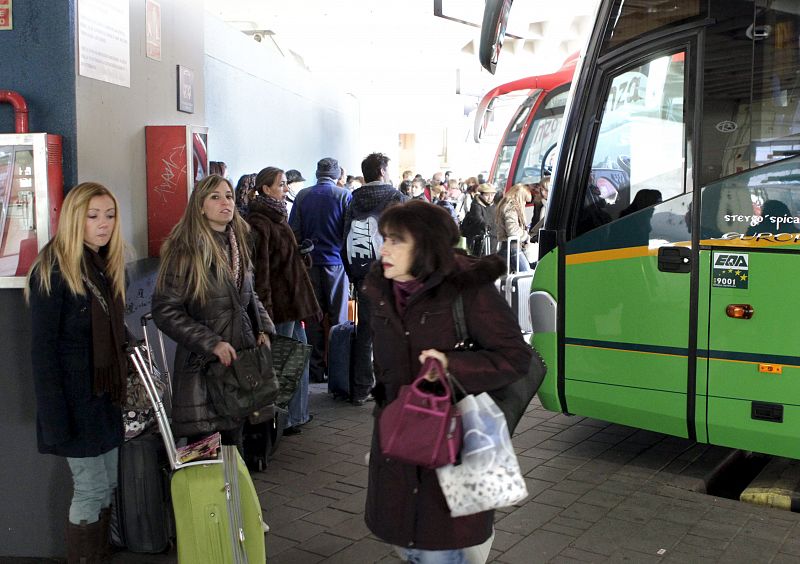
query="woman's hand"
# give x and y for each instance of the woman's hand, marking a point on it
(263, 340)
(438, 355)
(225, 353)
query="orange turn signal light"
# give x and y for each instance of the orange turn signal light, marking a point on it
(740, 311)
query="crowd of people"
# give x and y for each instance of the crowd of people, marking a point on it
(269, 257)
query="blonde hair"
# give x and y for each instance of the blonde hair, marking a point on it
(65, 249)
(516, 195)
(191, 251)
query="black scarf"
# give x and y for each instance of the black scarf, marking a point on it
(108, 331)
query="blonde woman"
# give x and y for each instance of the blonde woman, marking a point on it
(204, 293)
(76, 292)
(510, 222)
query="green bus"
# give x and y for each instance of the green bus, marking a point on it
(662, 298)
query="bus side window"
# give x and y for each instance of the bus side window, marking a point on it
(641, 144)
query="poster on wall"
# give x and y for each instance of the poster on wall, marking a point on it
(185, 89)
(153, 29)
(5, 15)
(104, 51)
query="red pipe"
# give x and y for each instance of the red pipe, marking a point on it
(20, 109)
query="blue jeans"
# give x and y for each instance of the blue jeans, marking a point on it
(418, 556)
(331, 288)
(476, 554)
(94, 480)
(524, 265)
(298, 405)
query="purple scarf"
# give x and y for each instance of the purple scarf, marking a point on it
(402, 292)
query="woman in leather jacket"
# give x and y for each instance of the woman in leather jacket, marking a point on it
(204, 291)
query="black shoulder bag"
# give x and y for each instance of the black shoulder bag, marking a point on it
(248, 384)
(512, 399)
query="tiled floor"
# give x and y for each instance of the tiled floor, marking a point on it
(598, 493)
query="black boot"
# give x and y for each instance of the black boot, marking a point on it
(82, 543)
(104, 548)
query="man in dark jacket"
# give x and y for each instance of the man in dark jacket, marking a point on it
(362, 247)
(318, 215)
(478, 225)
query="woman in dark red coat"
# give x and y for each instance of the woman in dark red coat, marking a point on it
(413, 287)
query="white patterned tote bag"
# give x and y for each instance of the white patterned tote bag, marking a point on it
(488, 476)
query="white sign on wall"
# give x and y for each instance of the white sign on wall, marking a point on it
(152, 29)
(104, 51)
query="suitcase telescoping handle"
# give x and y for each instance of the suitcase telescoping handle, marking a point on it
(143, 369)
(509, 244)
(147, 318)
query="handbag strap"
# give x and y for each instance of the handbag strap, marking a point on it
(445, 377)
(462, 334)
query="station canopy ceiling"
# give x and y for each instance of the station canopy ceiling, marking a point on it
(386, 46)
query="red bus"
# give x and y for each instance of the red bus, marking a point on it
(534, 128)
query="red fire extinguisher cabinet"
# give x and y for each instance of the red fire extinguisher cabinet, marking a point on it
(31, 192)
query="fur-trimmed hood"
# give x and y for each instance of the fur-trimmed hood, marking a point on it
(474, 271)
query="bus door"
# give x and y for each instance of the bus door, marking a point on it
(626, 275)
(751, 237)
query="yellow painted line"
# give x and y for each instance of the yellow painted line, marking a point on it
(612, 254)
(792, 241)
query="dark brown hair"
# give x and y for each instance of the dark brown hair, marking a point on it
(430, 227)
(266, 177)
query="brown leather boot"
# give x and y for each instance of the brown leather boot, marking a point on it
(82, 543)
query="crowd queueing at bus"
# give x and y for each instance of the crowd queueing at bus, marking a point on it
(272, 256)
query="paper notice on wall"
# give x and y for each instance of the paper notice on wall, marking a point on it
(5, 15)
(104, 51)
(153, 29)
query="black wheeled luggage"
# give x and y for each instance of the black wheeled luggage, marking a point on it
(141, 516)
(340, 359)
(260, 440)
(142, 512)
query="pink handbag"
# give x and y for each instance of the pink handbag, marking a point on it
(422, 427)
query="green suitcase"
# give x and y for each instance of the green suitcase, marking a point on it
(217, 513)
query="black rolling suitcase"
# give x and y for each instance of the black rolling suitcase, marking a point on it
(260, 440)
(142, 513)
(141, 517)
(340, 359)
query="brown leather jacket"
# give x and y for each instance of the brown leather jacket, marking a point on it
(197, 328)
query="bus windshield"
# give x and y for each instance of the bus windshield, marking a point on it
(508, 146)
(542, 136)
